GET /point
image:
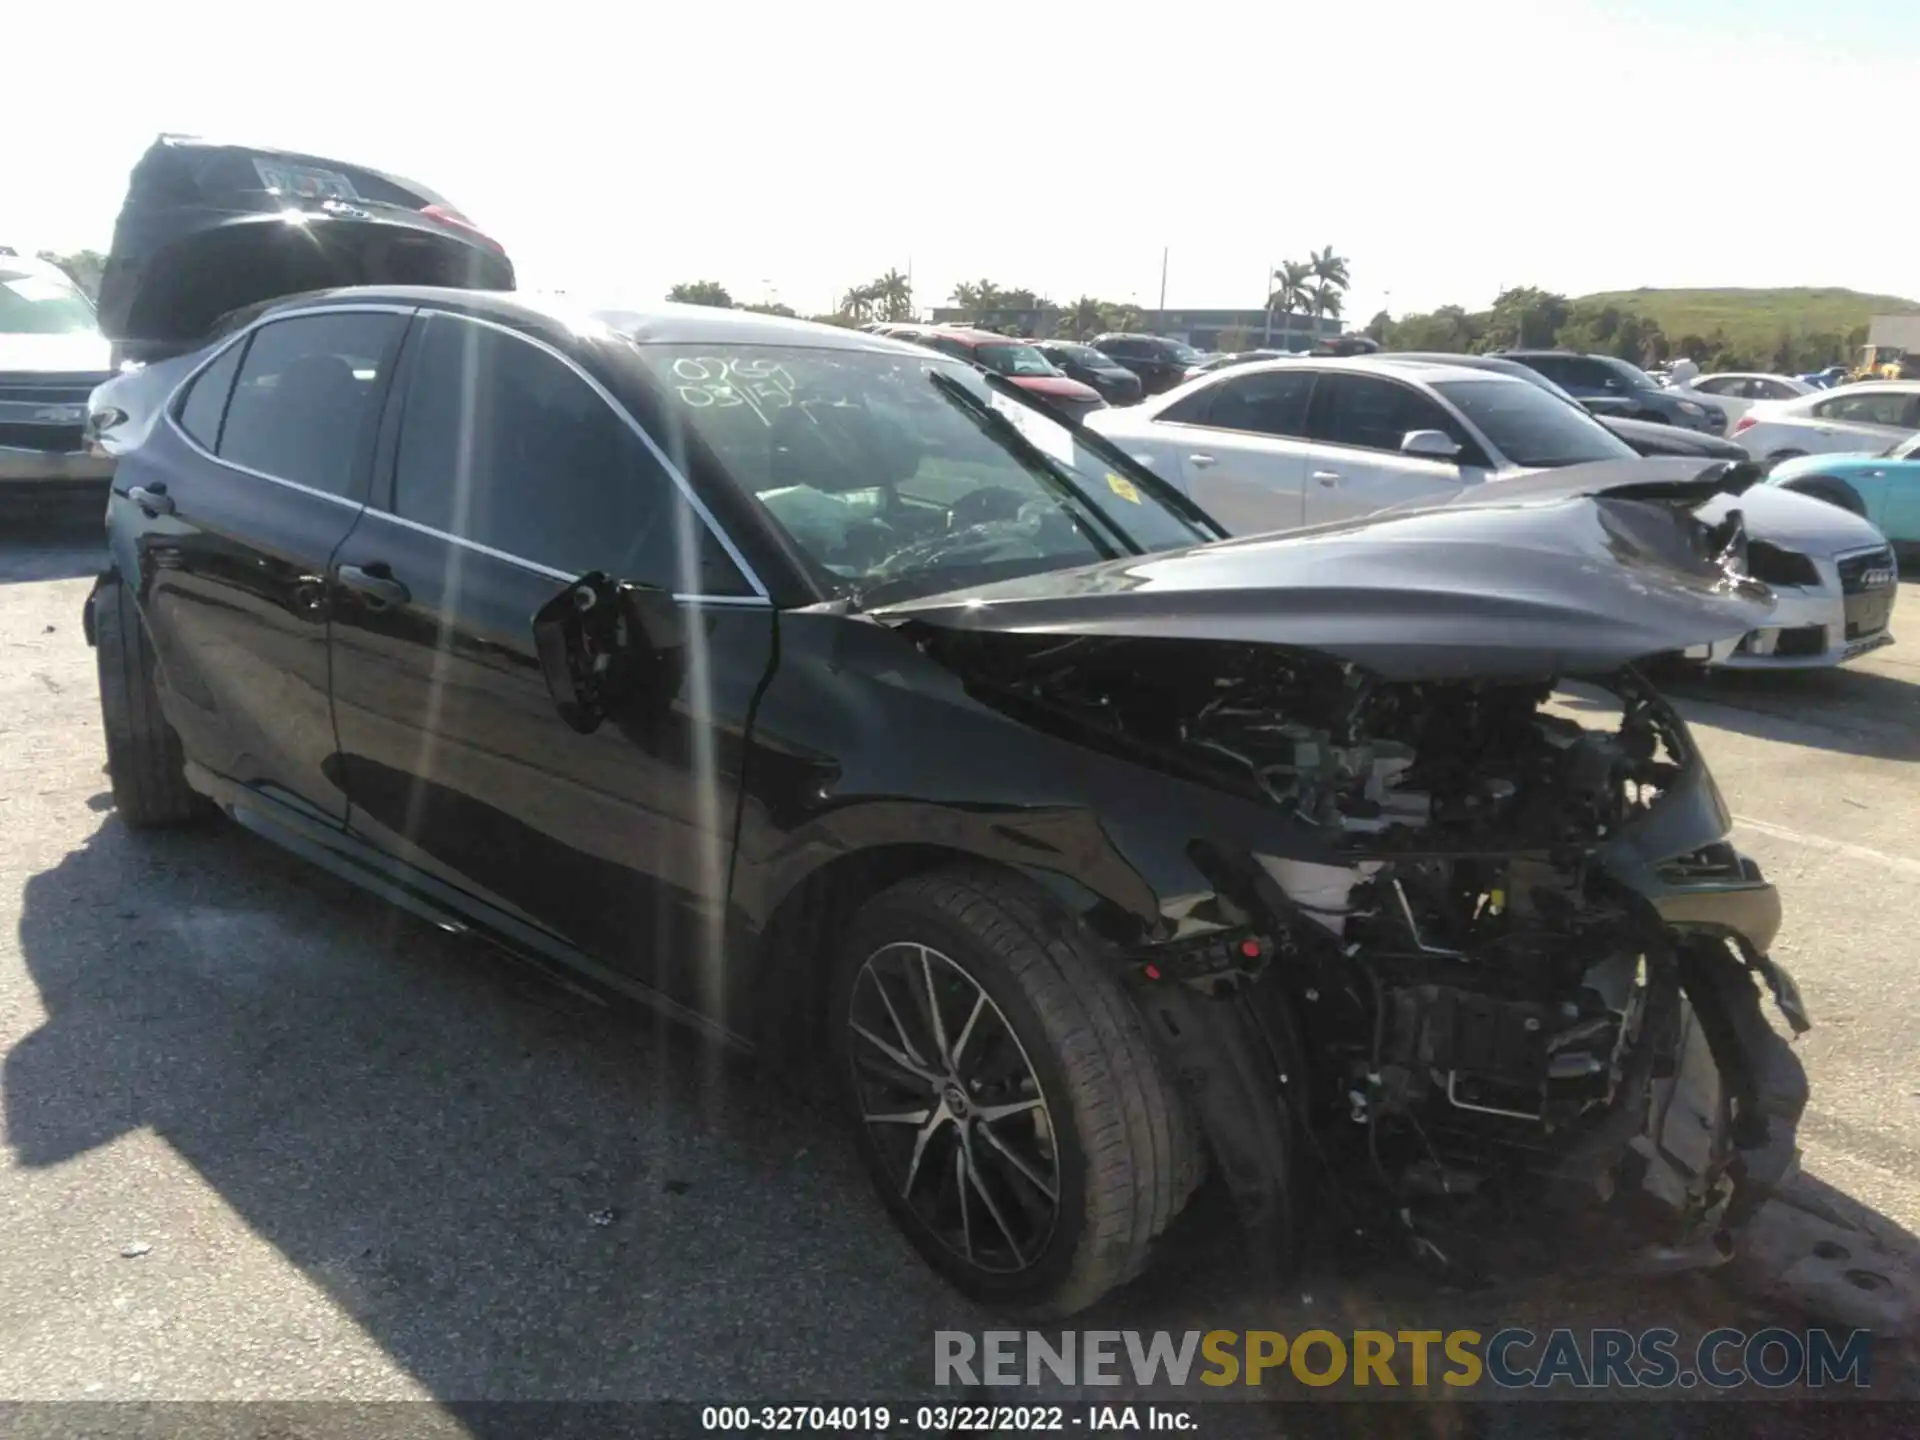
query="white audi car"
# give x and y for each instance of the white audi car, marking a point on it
(1737, 392)
(1873, 415)
(1280, 444)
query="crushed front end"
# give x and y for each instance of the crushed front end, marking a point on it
(1496, 966)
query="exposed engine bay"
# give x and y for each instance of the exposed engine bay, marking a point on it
(1471, 1004)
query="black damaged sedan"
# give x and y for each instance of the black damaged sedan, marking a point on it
(832, 697)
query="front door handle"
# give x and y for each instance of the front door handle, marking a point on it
(152, 499)
(1200, 461)
(1327, 477)
(375, 580)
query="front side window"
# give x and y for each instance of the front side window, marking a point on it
(505, 445)
(307, 398)
(897, 475)
(1374, 414)
(1273, 403)
(35, 303)
(1530, 426)
(1717, 385)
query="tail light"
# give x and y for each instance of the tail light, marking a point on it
(447, 215)
(1745, 422)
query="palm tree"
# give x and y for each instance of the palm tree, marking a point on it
(1080, 319)
(979, 298)
(1289, 293)
(894, 293)
(1330, 271)
(857, 303)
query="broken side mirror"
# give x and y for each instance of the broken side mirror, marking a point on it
(603, 643)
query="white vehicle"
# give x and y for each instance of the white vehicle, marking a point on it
(1737, 392)
(1873, 415)
(1282, 444)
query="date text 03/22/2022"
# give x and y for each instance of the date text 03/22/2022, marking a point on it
(949, 1419)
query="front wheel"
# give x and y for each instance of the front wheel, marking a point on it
(1008, 1105)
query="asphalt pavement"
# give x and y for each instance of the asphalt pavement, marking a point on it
(268, 1139)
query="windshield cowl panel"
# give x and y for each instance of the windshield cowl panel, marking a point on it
(895, 474)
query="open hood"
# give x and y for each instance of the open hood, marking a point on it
(208, 228)
(1573, 571)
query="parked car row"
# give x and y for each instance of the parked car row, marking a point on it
(1302, 443)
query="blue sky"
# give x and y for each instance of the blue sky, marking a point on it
(791, 151)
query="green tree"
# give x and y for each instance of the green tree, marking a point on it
(701, 292)
(1451, 328)
(1327, 294)
(1525, 318)
(83, 267)
(859, 302)
(1380, 328)
(772, 307)
(1326, 300)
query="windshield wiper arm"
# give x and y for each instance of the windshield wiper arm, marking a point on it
(1004, 427)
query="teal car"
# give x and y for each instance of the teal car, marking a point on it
(1885, 488)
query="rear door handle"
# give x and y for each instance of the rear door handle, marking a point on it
(1327, 477)
(1200, 461)
(375, 579)
(152, 499)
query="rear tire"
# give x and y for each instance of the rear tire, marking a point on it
(1781, 455)
(145, 763)
(1037, 1148)
(1834, 491)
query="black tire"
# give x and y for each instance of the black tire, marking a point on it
(1781, 455)
(1834, 491)
(144, 760)
(1124, 1154)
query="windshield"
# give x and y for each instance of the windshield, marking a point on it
(905, 475)
(1532, 428)
(1013, 360)
(1635, 377)
(1907, 449)
(43, 305)
(1084, 355)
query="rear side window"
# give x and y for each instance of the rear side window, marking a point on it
(1375, 414)
(1274, 403)
(308, 398)
(1884, 407)
(206, 400)
(1554, 367)
(504, 445)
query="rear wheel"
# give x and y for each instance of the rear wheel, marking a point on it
(145, 764)
(1009, 1107)
(1779, 455)
(1834, 491)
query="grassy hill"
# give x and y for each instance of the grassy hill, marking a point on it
(1754, 319)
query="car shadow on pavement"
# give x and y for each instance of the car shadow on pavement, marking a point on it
(51, 540)
(520, 1194)
(1854, 711)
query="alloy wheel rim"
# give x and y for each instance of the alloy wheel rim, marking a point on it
(954, 1107)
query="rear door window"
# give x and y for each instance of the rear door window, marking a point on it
(1370, 413)
(504, 445)
(1885, 407)
(205, 404)
(308, 396)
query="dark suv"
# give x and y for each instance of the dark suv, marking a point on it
(1610, 387)
(1160, 363)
